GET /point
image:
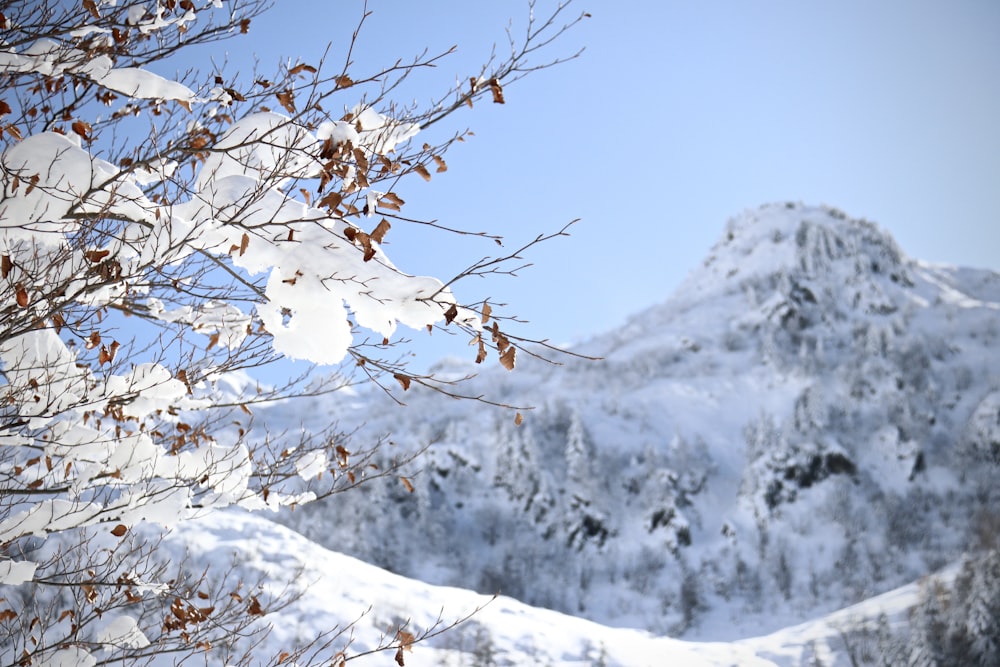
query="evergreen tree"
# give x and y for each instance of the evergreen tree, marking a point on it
(982, 616)
(928, 625)
(579, 455)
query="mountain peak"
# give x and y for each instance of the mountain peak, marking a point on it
(784, 272)
(804, 242)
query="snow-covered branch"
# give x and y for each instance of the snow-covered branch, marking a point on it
(160, 240)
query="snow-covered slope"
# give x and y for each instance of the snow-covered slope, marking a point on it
(340, 592)
(808, 421)
(355, 608)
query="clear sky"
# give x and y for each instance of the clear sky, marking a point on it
(679, 115)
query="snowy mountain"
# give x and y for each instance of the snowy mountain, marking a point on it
(811, 420)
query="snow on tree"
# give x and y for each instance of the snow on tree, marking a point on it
(584, 520)
(983, 611)
(982, 437)
(159, 240)
(955, 622)
(579, 454)
(927, 621)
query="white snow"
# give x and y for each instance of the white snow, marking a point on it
(14, 572)
(73, 656)
(122, 632)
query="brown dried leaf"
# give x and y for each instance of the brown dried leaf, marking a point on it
(91, 7)
(302, 67)
(422, 170)
(107, 355)
(365, 241)
(450, 314)
(344, 81)
(385, 202)
(21, 294)
(408, 485)
(4, 108)
(507, 358)
(406, 639)
(94, 340)
(399, 655)
(255, 609)
(380, 229)
(497, 91)
(342, 455)
(486, 312)
(119, 530)
(331, 200)
(394, 198)
(83, 129)
(287, 100)
(244, 26)
(5, 266)
(403, 380)
(439, 161)
(244, 242)
(518, 419)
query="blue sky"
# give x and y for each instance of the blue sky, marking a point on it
(677, 116)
